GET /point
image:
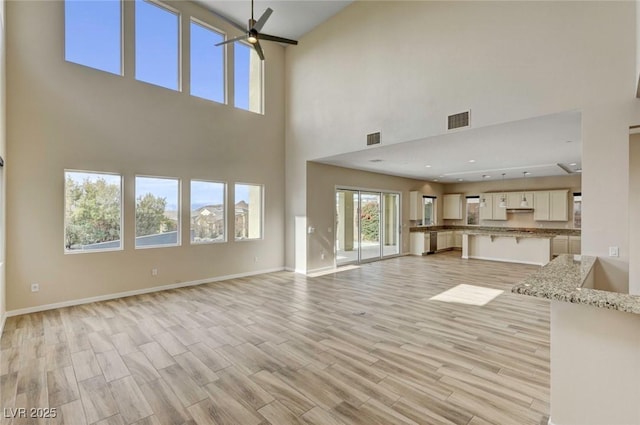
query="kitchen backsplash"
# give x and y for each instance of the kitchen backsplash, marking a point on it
(518, 220)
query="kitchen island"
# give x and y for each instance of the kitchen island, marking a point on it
(508, 246)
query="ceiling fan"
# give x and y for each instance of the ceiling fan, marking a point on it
(252, 33)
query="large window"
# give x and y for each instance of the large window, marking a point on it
(473, 210)
(157, 44)
(577, 210)
(429, 210)
(93, 34)
(92, 211)
(157, 212)
(207, 63)
(247, 78)
(248, 215)
(207, 212)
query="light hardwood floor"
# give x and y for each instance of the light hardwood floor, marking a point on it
(365, 346)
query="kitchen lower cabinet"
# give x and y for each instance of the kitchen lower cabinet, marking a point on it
(444, 240)
(419, 243)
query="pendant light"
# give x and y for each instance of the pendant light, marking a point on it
(503, 200)
(524, 203)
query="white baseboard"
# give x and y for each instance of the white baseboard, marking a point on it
(502, 260)
(320, 270)
(3, 319)
(106, 297)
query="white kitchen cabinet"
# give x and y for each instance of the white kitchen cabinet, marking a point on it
(499, 213)
(551, 205)
(452, 206)
(559, 205)
(575, 243)
(514, 199)
(444, 240)
(486, 209)
(560, 245)
(457, 239)
(415, 205)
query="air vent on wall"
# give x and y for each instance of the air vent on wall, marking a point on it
(373, 139)
(458, 120)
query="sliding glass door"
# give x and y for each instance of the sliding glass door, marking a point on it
(367, 225)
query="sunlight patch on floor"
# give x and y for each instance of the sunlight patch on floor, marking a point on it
(468, 294)
(336, 270)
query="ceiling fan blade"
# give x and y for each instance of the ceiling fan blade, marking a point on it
(268, 37)
(263, 19)
(258, 48)
(231, 22)
(231, 40)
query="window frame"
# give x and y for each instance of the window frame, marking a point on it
(262, 79)
(178, 14)
(64, 213)
(120, 73)
(466, 204)
(179, 209)
(224, 211)
(433, 210)
(573, 210)
(262, 211)
(225, 60)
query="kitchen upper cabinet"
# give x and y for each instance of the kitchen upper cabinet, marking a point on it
(492, 209)
(514, 199)
(415, 205)
(499, 213)
(452, 206)
(551, 205)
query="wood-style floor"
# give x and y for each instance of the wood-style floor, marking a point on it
(365, 346)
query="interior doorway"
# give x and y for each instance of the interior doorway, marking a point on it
(367, 225)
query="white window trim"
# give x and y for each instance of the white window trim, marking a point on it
(179, 209)
(262, 212)
(225, 59)
(262, 88)
(64, 213)
(224, 212)
(178, 14)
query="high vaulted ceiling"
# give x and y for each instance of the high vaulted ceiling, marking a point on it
(550, 145)
(290, 19)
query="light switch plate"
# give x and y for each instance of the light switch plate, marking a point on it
(613, 251)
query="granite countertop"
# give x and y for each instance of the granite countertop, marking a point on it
(562, 280)
(511, 233)
(525, 230)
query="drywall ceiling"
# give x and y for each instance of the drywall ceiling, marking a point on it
(290, 19)
(535, 145)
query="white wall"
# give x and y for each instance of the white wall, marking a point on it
(595, 365)
(3, 153)
(634, 212)
(503, 60)
(638, 45)
(63, 115)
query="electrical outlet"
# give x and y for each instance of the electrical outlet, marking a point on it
(35, 287)
(154, 272)
(613, 251)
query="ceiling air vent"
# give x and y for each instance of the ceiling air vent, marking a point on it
(373, 139)
(458, 120)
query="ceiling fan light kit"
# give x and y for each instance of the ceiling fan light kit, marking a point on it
(252, 33)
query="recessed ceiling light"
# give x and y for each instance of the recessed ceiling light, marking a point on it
(427, 166)
(435, 180)
(578, 170)
(573, 164)
(472, 160)
(441, 176)
(460, 180)
(484, 176)
(526, 173)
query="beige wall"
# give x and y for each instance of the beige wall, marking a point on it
(570, 182)
(3, 151)
(322, 180)
(634, 213)
(62, 115)
(503, 60)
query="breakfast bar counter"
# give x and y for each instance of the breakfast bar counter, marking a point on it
(508, 246)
